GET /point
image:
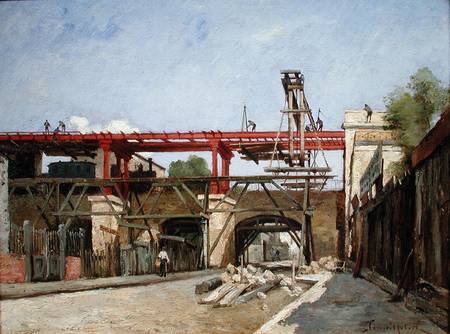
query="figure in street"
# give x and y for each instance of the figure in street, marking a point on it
(275, 254)
(164, 261)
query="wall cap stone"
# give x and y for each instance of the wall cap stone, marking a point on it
(218, 197)
(100, 198)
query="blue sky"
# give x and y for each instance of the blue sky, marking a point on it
(190, 65)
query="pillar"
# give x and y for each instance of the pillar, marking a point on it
(28, 248)
(224, 251)
(126, 175)
(4, 202)
(106, 147)
(118, 166)
(225, 172)
(214, 184)
(38, 164)
(99, 204)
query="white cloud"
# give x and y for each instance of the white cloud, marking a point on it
(118, 125)
(82, 124)
(268, 35)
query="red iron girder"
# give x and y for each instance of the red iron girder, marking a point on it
(194, 146)
(163, 136)
(225, 142)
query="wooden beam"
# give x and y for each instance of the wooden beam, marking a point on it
(260, 209)
(162, 216)
(109, 230)
(250, 155)
(131, 225)
(225, 225)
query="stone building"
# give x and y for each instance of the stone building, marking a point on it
(362, 139)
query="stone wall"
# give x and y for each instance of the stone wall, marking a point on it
(100, 204)
(323, 222)
(324, 218)
(224, 251)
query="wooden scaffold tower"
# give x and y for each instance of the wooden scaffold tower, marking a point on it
(296, 160)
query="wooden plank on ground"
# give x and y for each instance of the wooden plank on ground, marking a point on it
(217, 294)
(309, 279)
(208, 285)
(253, 293)
(232, 295)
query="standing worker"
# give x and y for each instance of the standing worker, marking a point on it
(47, 126)
(164, 261)
(252, 125)
(369, 112)
(62, 126)
(319, 122)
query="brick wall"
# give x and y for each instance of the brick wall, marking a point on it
(12, 268)
(73, 268)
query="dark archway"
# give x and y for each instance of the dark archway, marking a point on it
(247, 230)
(189, 229)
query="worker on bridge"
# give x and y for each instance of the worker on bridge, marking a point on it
(47, 126)
(319, 122)
(369, 112)
(62, 126)
(164, 261)
(252, 125)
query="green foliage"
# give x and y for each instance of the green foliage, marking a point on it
(193, 166)
(410, 110)
(397, 168)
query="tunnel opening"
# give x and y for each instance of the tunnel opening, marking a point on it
(266, 238)
(183, 239)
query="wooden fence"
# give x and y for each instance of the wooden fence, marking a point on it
(45, 258)
(412, 217)
(390, 231)
(140, 258)
(183, 257)
(16, 240)
(101, 263)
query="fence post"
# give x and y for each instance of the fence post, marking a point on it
(62, 250)
(82, 259)
(28, 247)
(47, 255)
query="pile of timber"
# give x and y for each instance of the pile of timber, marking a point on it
(240, 285)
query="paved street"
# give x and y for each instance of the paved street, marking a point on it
(352, 305)
(169, 307)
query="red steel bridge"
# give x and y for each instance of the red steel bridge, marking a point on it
(251, 145)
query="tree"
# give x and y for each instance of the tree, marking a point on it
(193, 166)
(410, 110)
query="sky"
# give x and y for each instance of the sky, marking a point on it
(192, 65)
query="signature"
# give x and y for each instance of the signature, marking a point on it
(370, 326)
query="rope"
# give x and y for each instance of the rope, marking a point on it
(275, 151)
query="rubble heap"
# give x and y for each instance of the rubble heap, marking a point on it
(238, 285)
(328, 263)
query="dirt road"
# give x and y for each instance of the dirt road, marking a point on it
(160, 308)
